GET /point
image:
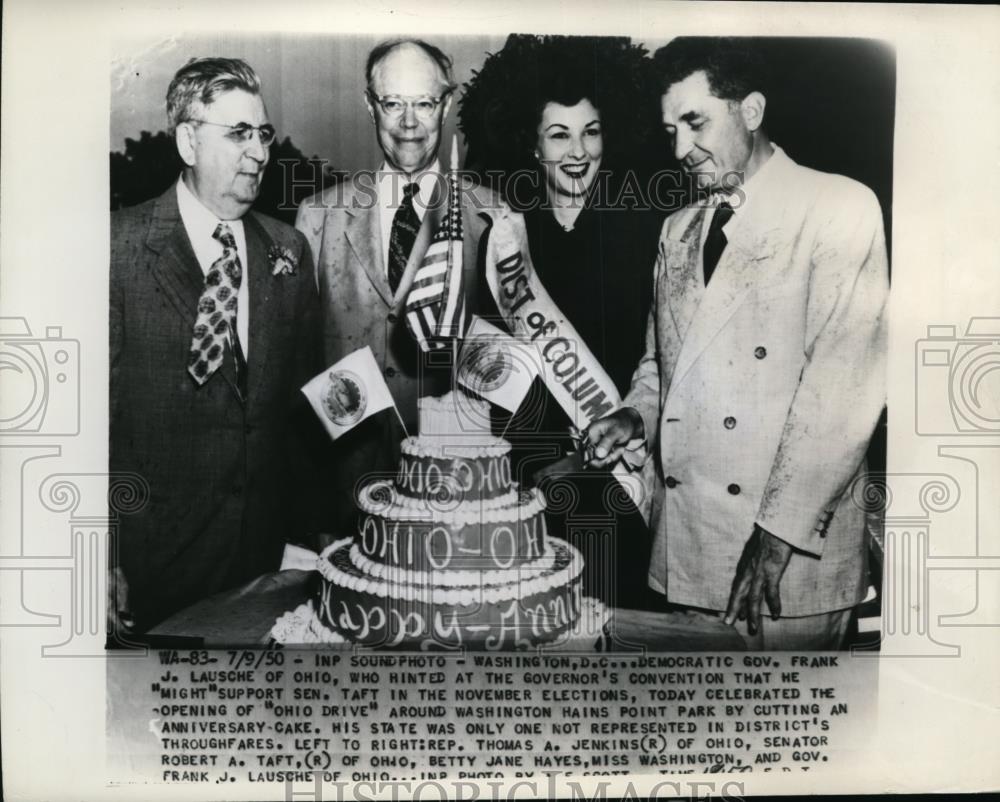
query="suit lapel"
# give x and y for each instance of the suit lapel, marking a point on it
(683, 263)
(364, 233)
(266, 303)
(174, 265)
(175, 269)
(739, 270)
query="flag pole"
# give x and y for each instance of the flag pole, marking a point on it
(396, 410)
(507, 425)
(450, 256)
(429, 224)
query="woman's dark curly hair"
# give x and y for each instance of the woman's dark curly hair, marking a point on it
(502, 104)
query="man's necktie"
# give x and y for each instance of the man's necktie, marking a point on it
(715, 242)
(405, 225)
(216, 323)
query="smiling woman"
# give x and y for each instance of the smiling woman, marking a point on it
(560, 123)
(570, 149)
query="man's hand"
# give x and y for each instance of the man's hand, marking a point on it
(120, 618)
(758, 576)
(606, 438)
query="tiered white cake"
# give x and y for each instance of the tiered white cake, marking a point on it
(451, 554)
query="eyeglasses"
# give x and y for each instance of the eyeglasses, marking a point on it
(423, 106)
(242, 132)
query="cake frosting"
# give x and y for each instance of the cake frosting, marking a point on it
(450, 554)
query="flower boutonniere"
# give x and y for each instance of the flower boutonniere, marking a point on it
(282, 261)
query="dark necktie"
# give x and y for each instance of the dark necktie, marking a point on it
(216, 322)
(241, 363)
(715, 242)
(405, 225)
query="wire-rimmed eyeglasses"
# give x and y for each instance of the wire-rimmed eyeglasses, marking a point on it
(242, 132)
(423, 106)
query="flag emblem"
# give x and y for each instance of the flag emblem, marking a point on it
(347, 392)
(486, 365)
(344, 401)
(496, 366)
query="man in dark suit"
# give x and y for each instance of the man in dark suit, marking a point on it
(214, 327)
(361, 233)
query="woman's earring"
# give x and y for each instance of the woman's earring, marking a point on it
(535, 154)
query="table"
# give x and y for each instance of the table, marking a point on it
(242, 618)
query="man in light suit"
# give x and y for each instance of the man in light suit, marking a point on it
(213, 328)
(361, 233)
(764, 372)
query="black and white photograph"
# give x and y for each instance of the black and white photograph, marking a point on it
(445, 401)
(575, 215)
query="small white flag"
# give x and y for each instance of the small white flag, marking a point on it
(346, 393)
(496, 366)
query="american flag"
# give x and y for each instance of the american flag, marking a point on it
(435, 306)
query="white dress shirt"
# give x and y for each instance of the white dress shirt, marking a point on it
(738, 199)
(200, 224)
(390, 198)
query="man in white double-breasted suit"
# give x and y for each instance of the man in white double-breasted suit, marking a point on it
(764, 372)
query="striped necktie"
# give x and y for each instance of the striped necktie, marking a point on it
(405, 225)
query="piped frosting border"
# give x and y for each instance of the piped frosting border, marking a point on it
(491, 593)
(507, 508)
(448, 577)
(490, 447)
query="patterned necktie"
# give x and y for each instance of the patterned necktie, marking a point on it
(715, 242)
(405, 225)
(216, 321)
